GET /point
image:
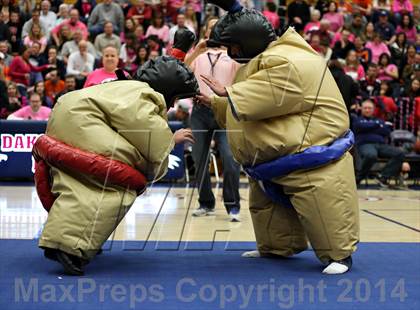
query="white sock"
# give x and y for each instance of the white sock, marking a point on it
(251, 254)
(335, 268)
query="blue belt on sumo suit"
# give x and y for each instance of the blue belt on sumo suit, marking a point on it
(312, 157)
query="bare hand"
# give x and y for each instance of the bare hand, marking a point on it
(214, 85)
(183, 135)
(202, 99)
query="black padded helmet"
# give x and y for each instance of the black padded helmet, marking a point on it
(170, 77)
(247, 28)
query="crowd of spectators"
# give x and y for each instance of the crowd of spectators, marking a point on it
(53, 47)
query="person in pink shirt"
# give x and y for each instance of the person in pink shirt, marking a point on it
(214, 62)
(314, 24)
(353, 68)
(73, 23)
(158, 28)
(400, 7)
(335, 17)
(377, 47)
(271, 14)
(387, 70)
(407, 26)
(107, 73)
(35, 111)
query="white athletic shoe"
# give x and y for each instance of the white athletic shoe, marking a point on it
(203, 212)
(234, 215)
(338, 267)
(251, 254)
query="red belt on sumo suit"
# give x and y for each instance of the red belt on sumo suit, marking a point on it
(48, 152)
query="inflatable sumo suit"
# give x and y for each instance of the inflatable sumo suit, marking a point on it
(288, 126)
(103, 144)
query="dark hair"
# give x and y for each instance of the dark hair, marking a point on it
(373, 65)
(70, 76)
(388, 92)
(404, 35)
(411, 22)
(336, 6)
(388, 58)
(157, 15)
(137, 60)
(271, 6)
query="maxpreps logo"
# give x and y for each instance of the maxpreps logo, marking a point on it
(18, 143)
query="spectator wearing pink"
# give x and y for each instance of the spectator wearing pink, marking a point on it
(407, 26)
(335, 18)
(377, 47)
(271, 14)
(36, 35)
(387, 71)
(20, 68)
(129, 27)
(353, 68)
(402, 6)
(73, 23)
(35, 111)
(158, 28)
(338, 36)
(314, 24)
(107, 73)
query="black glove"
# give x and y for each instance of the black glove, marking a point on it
(231, 6)
(183, 39)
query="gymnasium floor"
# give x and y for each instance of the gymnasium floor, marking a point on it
(390, 226)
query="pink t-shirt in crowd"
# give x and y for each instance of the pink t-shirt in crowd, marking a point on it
(26, 113)
(385, 77)
(312, 26)
(273, 18)
(99, 76)
(377, 50)
(398, 7)
(411, 33)
(356, 75)
(336, 20)
(162, 33)
(224, 68)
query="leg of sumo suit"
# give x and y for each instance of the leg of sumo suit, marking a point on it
(327, 203)
(84, 214)
(277, 229)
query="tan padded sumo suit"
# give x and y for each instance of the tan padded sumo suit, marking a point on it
(122, 120)
(280, 104)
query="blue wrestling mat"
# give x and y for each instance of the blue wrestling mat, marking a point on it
(197, 275)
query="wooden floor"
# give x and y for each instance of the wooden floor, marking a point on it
(164, 214)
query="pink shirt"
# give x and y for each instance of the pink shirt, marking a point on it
(26, 113)
(356, 75)
(377, 50)
(273, 18)
(73, 28)
(336, 20)
(410, 33)
(385, 77)
(406, 5)
(99, 76)
(162, 33)
(311, 26)
(224, 69)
